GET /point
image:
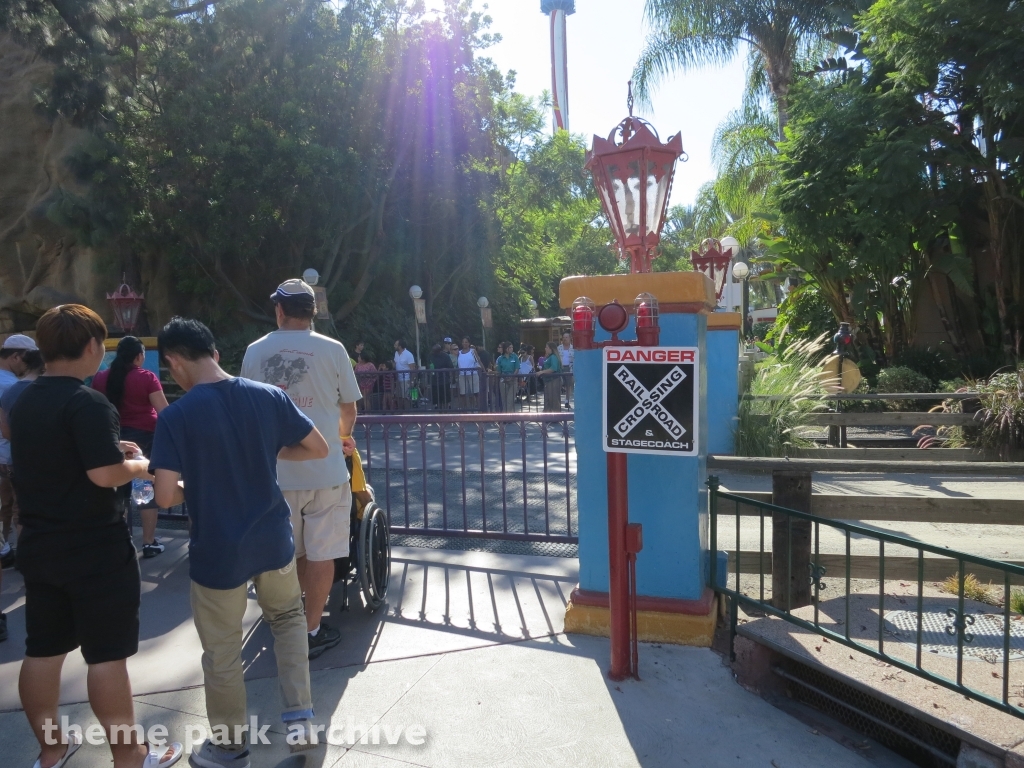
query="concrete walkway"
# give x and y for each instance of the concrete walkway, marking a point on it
(471, 649)
(534, 703)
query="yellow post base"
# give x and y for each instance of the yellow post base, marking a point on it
(651, 626)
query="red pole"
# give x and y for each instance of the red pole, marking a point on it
(634, 543)
(618, 568)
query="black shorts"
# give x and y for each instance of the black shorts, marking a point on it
(81, 591)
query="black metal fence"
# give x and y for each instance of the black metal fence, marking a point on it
(464, 391)
(503, 476)
(925, 626)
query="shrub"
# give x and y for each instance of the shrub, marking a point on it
(792, 379)
(1017, 601)
(973, 589)
(934, 364)
(1000, 417)
(760, 330)
(1002, 413)
(902, 379)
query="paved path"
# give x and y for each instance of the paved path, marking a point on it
(470, 648)
(535, 703)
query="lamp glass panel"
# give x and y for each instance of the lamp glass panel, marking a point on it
(610, 208)
(631, 207)
(622, 206)
(657, 191)
(719, 279)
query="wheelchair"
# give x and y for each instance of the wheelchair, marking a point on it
(368, 565)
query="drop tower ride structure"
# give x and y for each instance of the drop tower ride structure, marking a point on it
(558, 10)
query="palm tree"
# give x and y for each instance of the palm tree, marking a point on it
(694, 33)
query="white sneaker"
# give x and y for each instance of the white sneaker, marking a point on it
(209, 755)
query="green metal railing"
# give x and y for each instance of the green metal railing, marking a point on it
(959, 623)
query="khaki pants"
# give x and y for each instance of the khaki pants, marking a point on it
(508, 394)
(218, 617)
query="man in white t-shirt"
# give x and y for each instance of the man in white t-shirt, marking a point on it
(404, 363)
(317, 374)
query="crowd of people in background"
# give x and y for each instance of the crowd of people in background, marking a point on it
(462, 376)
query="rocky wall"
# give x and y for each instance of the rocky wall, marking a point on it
(41, 264)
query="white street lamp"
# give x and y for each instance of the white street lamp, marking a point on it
(533, 308)
(312, 277)
(420, 311)
(483, 303)
(730, 245)
(741, 272)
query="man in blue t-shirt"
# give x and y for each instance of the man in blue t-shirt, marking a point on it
(217, 448)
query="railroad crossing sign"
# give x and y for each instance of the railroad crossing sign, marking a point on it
(650, 400)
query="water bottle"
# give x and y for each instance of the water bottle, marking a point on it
(142, 491)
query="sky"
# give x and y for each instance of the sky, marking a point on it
(604, 39)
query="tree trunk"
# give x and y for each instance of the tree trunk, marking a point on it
(780, 92)
(955, 339)
(995, 244)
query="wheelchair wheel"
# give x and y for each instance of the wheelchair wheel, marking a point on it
(374, 554)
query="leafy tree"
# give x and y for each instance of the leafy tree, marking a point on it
(803, 315)
(679, 237)
(855, 209)
(964, 61)
(694, 33)
(235, 143)
(548, 214)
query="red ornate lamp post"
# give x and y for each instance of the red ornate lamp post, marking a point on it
(125, 304)
(713, 261)
(633, 173)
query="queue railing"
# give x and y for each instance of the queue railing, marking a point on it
(498, 476)
(929, 639)
(471, 390)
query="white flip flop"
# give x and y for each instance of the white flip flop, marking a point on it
(74, 742)
(155, 753)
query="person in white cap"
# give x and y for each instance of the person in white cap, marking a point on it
(316, 373)
(12, 368)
